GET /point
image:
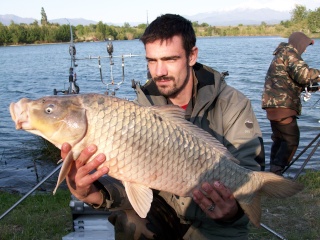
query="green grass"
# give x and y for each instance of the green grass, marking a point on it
(294, 218)
(39, 216)
(47, 216)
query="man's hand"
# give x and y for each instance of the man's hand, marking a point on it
(216, 201)
(82, 175)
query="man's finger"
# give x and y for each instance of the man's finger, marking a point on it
(65, 149)
(85, 155)
(224, 192)
(211, 192)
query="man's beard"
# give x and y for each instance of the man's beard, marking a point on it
(174, 91)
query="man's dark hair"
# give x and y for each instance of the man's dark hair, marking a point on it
(167, 26)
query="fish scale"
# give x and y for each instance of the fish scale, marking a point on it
(146, 148)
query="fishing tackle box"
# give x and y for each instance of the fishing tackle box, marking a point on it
(89, 223)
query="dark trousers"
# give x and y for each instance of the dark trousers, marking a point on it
(161, 223)
(285, 139)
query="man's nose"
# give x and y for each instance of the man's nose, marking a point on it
(161, 69)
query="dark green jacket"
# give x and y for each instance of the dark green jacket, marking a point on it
(228, 115)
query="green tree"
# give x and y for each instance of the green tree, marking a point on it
(18, 33)
(45, 35)
(111, 32)
(286, 24)
(101, 31)
(209, 31)
(299, 14)
(63, 33)
(204, 25)
(44, 19)
(314, 21)
(142, 26)
(5, 36)
(263, 24)
(195, 24)
(33, 32)
(90, 29)
(126, 25)
(80, 30)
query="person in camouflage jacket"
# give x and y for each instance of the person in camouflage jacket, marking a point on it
(287, 76)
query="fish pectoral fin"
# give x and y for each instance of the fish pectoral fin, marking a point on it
(140, 197)
(66, 164)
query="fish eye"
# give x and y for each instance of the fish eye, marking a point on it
(49, 109)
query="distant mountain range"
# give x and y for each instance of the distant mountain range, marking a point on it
(213, 18)
(7, 18)
(241, 16)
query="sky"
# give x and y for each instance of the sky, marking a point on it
(120, 11)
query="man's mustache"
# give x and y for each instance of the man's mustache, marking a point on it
(163, 78)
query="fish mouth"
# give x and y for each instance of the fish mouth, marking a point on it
(19, 115)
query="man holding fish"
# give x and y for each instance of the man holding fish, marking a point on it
(222, 111)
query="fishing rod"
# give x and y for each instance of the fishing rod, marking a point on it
(302, 152)
(32, 190)
(272, 231)
(314, 105)
(73, 87)
(306, 161)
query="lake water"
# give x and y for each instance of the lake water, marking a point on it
(34, 71)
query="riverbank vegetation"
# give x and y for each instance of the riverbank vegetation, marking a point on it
(307, 21)
(47, 216)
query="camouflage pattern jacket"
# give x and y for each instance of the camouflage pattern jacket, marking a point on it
(287, 77)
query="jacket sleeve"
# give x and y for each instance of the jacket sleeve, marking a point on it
(299, 70)
(238, 129)
(114, 194)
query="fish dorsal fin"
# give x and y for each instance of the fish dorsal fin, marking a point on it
(140, 197)
(66, 165)
(169, 111)
(176, 115)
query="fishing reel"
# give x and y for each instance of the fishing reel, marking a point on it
(308, 90)
(73, 87)
(110, 49)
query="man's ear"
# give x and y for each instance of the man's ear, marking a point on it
(193, 56)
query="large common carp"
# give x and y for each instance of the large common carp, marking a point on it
(146, 148)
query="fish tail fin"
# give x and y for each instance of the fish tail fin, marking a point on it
(271, 185)
(253, 210)
(277, 186)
